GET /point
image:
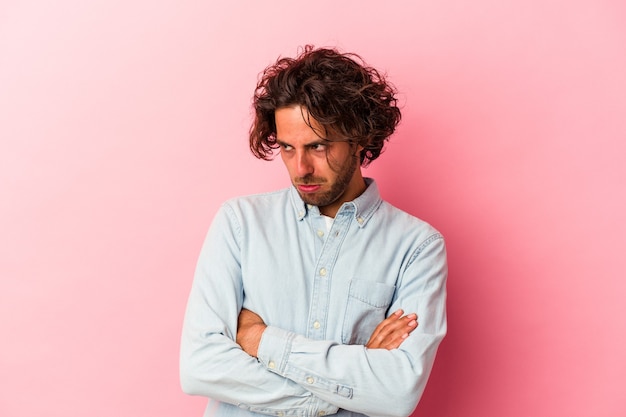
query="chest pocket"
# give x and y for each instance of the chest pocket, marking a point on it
(366, 307)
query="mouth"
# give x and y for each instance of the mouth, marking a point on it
(308, 188)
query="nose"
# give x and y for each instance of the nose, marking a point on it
(304, 165)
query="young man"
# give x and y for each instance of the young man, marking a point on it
(299, 298)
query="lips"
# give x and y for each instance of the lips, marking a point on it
(308, 188)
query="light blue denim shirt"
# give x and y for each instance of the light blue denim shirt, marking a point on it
(321, 292)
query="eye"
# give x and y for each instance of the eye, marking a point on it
(285, 147)
(318, 147)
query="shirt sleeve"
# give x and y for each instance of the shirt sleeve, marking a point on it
(212, 364)
(375, 382)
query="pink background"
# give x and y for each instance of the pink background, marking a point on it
(123, 127)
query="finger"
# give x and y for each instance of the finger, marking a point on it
(399, 330)
(392, 341)
(398, 325)
(390, 324)
(381, 326)
(389, 320)
(395, 339)
(392, 334)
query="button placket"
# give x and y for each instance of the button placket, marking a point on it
(326, 245)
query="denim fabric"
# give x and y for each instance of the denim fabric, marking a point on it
(321, 292)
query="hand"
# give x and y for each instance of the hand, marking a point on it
(392, 331)
(250, 328)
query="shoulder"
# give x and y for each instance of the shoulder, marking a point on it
(257, 201)
(409, 225)
(416, 238)
(249, 211)
(255, 208)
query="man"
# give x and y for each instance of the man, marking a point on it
(299, 299)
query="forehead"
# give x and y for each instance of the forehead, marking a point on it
(295, 122)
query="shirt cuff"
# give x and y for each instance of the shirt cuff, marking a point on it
(274, 349)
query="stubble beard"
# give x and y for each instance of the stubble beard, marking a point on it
(344, 176)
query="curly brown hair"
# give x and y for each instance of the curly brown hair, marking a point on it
(352, 101)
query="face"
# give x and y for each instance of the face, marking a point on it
(325, 173)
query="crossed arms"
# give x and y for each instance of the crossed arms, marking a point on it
(249, 369)
(229, 354)
(389, 334)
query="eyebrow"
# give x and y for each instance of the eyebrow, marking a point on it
(321, 141)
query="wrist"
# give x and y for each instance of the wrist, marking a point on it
(257, 333)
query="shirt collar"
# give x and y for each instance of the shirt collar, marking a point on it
(363, 207)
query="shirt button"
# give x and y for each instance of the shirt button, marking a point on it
(300, 213)
(271, 365)
(320, 233)
(310, 380)
(316, 324)
(280, 414)
(360, 220)
(321, 413)
(323, 272)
